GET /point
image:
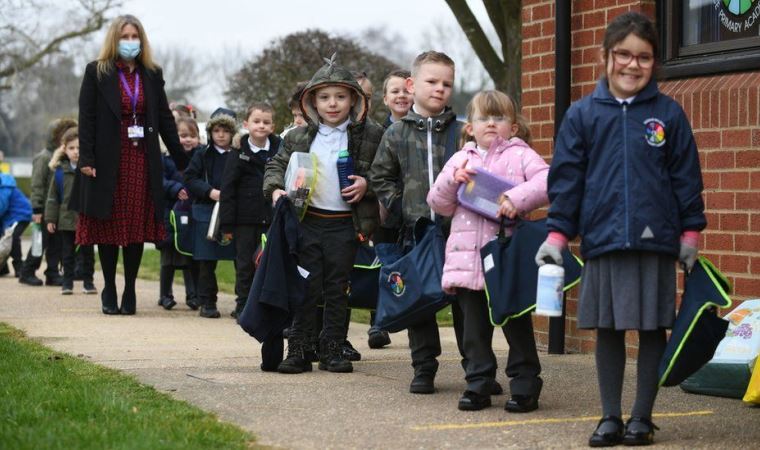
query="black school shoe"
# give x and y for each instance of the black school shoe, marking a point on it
(639, 431)
(349, 352)
(54, 281)
(378, 339)
(30, 280)
(296, 360)
(521, 404)
(609, 432)
(192, 303)
(67, 288)
(331, 357)
(472, 401)
(422, 384)
(167, 302)
(209, 312)
(108, 302)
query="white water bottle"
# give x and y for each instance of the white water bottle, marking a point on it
(551, 280)
(36, 240)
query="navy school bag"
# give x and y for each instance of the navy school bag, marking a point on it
(180, 222)
(698, 329)
(511, 273)
(409, 287)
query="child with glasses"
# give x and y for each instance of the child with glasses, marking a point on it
(625, 177)
(499, 142)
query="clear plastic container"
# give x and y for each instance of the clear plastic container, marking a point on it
(36, 240)
(551, 280)
(482, 194)
(300, 180)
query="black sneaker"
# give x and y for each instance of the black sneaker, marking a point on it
(472, 401)
(89, 288)
(332, 358)
(378, 339)
(295, 362)
(30, 280)
(349, 352)
(167, 302)
(67, 289)
(210, 312)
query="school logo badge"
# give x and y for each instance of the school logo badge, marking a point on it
(655, 132)
(397, 284)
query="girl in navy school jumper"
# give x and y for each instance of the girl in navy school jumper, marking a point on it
(625, 177)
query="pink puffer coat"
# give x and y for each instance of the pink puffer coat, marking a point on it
(513, 160)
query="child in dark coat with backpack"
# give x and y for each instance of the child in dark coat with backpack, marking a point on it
(244, 213)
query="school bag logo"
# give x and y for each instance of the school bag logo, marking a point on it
(655, 132)
(397, 284)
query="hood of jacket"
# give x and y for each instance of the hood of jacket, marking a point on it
(332, 74)
(223, 120)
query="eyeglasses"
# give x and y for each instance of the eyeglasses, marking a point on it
(495, 119)
(624, 57)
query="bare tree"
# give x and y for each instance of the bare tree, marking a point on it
(29, 33)
(505, 15)
(184, 72)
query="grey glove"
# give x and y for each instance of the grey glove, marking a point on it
(548, 253)
(687, 256)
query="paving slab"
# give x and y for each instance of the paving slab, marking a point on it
(215, 365)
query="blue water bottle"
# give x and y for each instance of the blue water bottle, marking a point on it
(345, 169)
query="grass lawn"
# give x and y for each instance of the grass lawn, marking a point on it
(55, 401)
(225, 275)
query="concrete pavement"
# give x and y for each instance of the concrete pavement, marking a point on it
(215, 365)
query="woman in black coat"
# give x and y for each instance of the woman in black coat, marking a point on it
(122, 111)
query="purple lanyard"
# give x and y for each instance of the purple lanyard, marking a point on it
(132, 95)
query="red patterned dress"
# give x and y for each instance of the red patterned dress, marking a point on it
(133, 218)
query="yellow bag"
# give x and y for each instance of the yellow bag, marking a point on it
(753, 390)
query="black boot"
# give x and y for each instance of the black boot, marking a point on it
(296, 361)
(331, 357)
(30, 280)
(109, 301)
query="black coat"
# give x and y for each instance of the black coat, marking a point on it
(278, 288)
(242, 197)
(100, 139)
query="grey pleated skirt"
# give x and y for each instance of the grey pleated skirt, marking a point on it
(628, 290)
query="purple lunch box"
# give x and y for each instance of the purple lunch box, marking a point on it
(482, 194)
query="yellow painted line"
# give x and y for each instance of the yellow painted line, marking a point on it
(508, 423)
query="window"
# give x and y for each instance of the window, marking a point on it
(701, 37)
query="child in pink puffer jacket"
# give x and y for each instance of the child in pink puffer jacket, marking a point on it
(498, 142)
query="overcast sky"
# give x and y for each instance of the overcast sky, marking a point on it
(248, 26)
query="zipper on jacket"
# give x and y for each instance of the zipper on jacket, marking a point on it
(429, 129)
(625, 173)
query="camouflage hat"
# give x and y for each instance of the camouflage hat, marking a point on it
(332, 74)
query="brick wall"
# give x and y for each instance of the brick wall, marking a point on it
(723, 111)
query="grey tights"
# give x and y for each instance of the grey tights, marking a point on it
(610, 367)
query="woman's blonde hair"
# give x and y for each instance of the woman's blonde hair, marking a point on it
(495, 103)
(109, 52)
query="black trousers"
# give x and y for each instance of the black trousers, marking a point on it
(247, 238)
(329, 249)
(207, 288)
(69, 256)
(51, 246)
(425, 342)
(523, 366)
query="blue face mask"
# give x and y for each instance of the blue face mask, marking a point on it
(129, 49)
